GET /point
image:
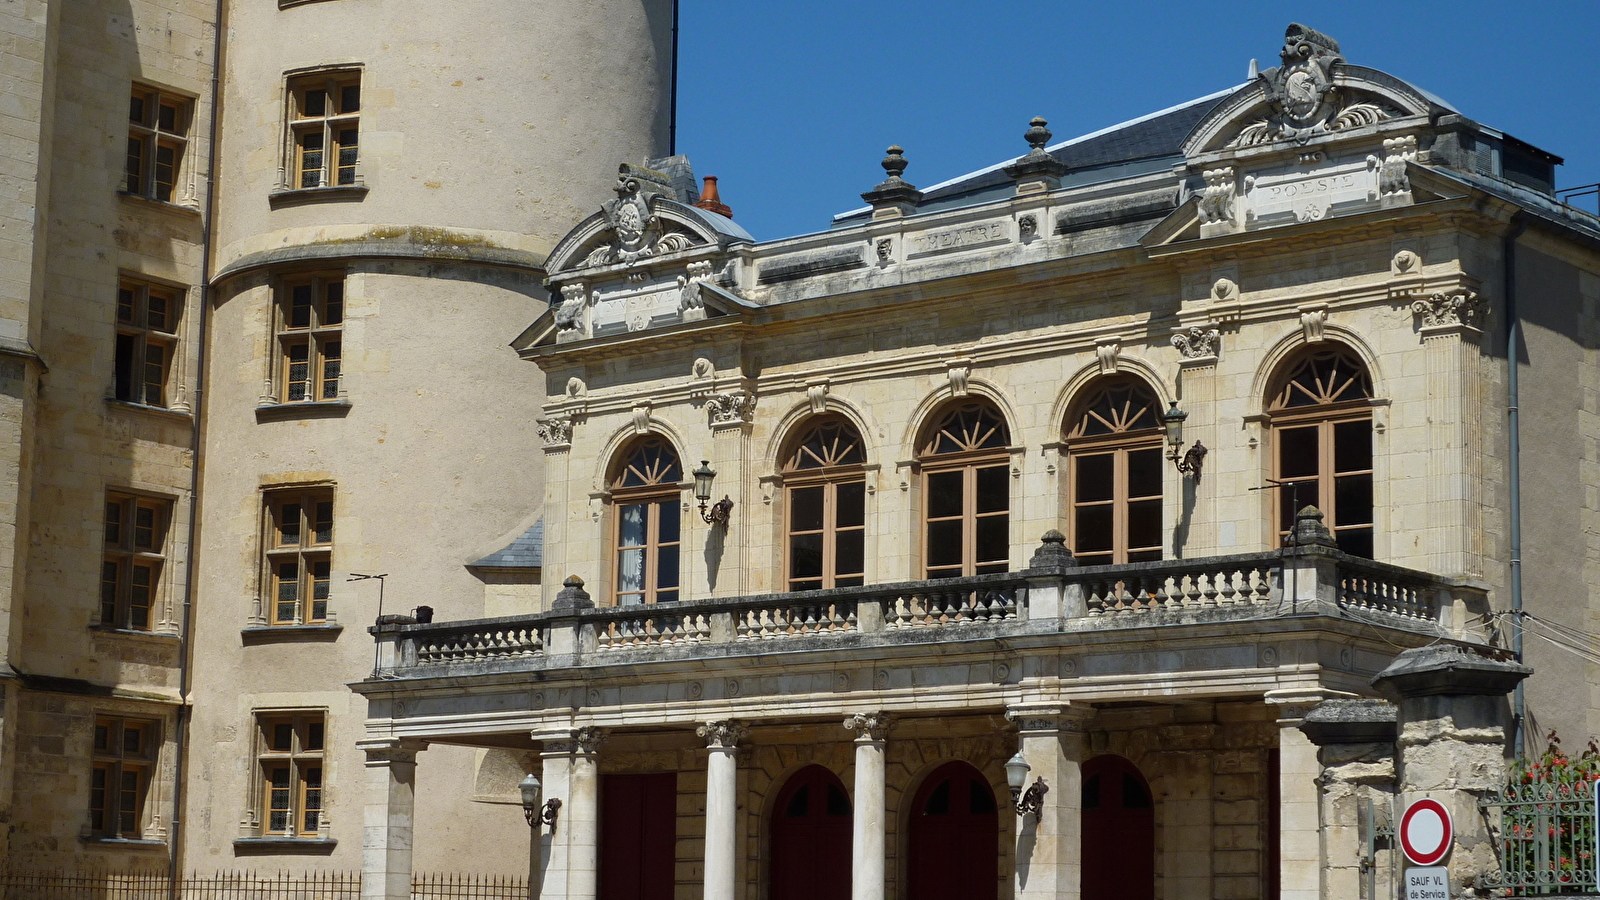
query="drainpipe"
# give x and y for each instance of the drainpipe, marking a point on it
(672, 125)
(1514, 449)
(185, 645)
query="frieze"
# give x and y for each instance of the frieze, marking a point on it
(966, 237)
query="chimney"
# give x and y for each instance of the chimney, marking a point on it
(710, 201)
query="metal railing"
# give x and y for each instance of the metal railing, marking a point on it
(1545, 838)
(1567, 195)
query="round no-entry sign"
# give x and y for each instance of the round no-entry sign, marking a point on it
(1426, 832)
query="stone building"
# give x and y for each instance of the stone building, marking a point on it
(1106, 465)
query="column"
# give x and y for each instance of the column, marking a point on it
(1049, 844)
(871, 806)
(722, 806)
(571, 776)
(390, 817)
(1299, 820)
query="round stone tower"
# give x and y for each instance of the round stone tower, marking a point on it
(390, 176)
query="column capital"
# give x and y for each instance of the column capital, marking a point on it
(1050, 717)
(870, 727)
(1293, 703)
(392, 751)
(585, 739)
(723, 735)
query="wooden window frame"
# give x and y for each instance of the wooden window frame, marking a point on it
(125, 555)
(147, 341)
(969, 462)
(149, 134)
(830, 476)
(300, 796)
(331, 127)
(116, 809)
(652, 497)
(309, 555)
(1325, 413)
(1119, 440)
(315, 342)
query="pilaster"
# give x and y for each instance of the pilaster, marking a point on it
(1049, 862)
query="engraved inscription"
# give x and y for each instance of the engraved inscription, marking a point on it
(960, 238)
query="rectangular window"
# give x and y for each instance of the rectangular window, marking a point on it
(147, 341)
(124, 756)
(299, 555)
(134, 556)
(290, 757)
(158, 128)
(827, 535)
(324, 113)
(310, 340)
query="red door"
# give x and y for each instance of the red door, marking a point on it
(955, 837)
(638, 836)
(811, 838)
(1119, 832)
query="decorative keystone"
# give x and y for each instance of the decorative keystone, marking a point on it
(1052, 552)
(572, 596)
(1309, 530)
(1038, 170)
(894, 197)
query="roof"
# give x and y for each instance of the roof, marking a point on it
(526, 552)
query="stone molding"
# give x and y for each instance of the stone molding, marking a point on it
(585, 739)
(1064, 718)
(725, 734)
(870, 727)
(1198, 342)
(391, 752)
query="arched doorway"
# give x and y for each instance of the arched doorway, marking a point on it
(955, 837)
(811, 838)
(1119, 832)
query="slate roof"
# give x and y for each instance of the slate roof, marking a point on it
(1151, 143)
(526, 552)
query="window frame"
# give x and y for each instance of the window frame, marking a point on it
(122, 555)
(109, 815)
(305, 555)
(968, 461)
(151, 135)
(829, 476)
(328, 127)
(304, 792)
(1119, 442)
(322, 339)
(1325, 417)
(130, 381)
(653, 497)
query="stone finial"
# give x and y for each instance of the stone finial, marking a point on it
(572, 596)
(1038, 170)
(1052, 552)
(1037, 134)
(711, 201)
(1450, 669)
(893, 197)
(1309, 530)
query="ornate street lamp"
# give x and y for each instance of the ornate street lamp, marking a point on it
(1032, 801)
(718, 514)
(1189, 463)
(531, 790)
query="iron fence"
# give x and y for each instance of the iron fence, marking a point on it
(1545, 838)
(158, 885)
(454, 886)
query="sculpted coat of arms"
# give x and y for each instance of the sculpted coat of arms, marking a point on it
(1302, 97)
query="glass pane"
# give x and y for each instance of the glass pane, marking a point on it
(125, 305)
(1144, 524)
(324, 522)
(319, 592)
(1291, 499)
(156, 311)
(1352, 500)
(314, 731)
(166, 171)
(805, 556)
(126, 346)
(289, 525)
(113, 524)
(350, 98)
(155, 374)
(330, 370)
(994, 494)
(1297, 453)
(630, 571)
(805, 509)
(333, 306)
(136, 109)
(288, 600)
(850, 504)
(849, 553)
(1352, 446)
(630, 525)
(1144, 473)
(144, 527)
(669, 519)
(108, 593)
(311, 160)
(1091, 531)
(667, 568)
(102, 736)
(944, 494)
(167, 118)
(1094, 481)
(300, 306)
(348, 154)
(132, 740)
(1356, 541)
(139, 598)
(278, 794)
(133, 177)
(282, 737)
(97, 799)
(315, 103)
(994, 538)
(944, 543)
(666, 596)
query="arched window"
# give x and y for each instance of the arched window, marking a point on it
(966, 492)
(825, 499)
(644, 497)
(1114, 474)
(1321, 414)
(1119, 832)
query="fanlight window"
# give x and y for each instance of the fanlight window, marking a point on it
(1115, 473)
(1321, 416)
(648, 527)
(825, 507)
(966, 493)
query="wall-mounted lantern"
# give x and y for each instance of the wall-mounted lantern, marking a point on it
(1189, 463)
(719, 511)
(531, 810)
(1031, 801)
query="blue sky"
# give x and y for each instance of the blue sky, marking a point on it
(792, 103)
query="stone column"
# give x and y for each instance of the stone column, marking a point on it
(1299, 820)
(1050, 844)
(1355, 741)
(387, 835)
(722, 806)
(572, 845)
(1452, 740)
(867, 862)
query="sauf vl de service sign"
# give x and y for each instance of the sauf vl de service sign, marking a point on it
(1427, 883)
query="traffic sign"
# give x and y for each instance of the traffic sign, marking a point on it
(1426, 832)
(1427, 883)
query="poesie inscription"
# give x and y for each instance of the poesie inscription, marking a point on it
(959, 238)
(1310, 187)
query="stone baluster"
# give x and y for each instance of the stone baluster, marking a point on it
(1050, 843)
(722, 806)
(390, 818)
(867, 880)
(572, 776)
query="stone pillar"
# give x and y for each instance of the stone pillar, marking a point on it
(1299, 820)
(722, 806)
(387, 835)
(867, 861)
(730, 412)
(1049, 845)
(1355, 741)
(572, 777)
(1452, 740)
(1311, 570)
